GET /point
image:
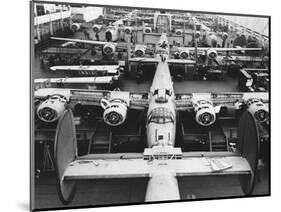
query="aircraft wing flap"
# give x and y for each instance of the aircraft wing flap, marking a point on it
(226, 99)
(139, 100)
(185, 101)
(45, 92)
(202, 49)
(88, 97)
(229, 99)
(184, 105)
(132, 168)
(237, 49)
(246, 58)
(93, 97)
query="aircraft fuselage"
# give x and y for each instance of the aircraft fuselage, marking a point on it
(161, 115)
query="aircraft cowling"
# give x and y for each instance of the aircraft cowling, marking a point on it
(51, 109)
(128, 30)
(184, 53)
(197, 34)
(97, 28)
(224, 36)
(147, 30)
(211, 54)
(179, 32)
(140, 50)
(115, 112)
(258, 110)
(75, 27)
(109, 49)
(111, 35)
(205, 114)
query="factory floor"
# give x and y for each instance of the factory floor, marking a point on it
(122, 191)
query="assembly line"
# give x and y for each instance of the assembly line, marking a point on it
(155, 96)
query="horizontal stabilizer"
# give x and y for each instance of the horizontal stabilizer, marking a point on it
(131, 168)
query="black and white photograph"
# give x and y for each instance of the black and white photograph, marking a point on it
(133, 105)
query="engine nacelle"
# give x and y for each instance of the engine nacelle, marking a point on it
(128, 30)
(51, 109)
(115, 111)
(147, 29)
(75, 26)
(179, 31)
(197, 34)
(212, 54)
(140, 50)
(258, 110)
(109, 49)
(112, 34)
(205, 113)
(224, 35)
(183, 52)
(96, 28)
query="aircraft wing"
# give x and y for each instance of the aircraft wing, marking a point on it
(229, 99)
(155, 60)
(46, 92)
(91, 68)
(134, 100)
(74, 80)
(246, 58)
(144, 60)
(101, 43)
(186, 101)
(180, 61)
(202, 49)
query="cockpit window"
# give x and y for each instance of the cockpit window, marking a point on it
(161, 115)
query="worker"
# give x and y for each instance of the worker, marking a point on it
(97, 36)
(86, 34)
(132, 38)
(238, 108)
(41, 62)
